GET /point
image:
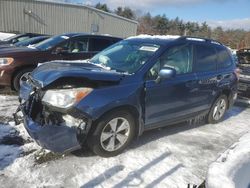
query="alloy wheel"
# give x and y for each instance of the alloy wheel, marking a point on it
(115, 134)
(219, 109)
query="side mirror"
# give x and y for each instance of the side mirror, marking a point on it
(165, 73)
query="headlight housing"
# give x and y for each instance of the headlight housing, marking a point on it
(6, 60)
(64, 98)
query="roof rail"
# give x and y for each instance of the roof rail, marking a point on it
(200, 39)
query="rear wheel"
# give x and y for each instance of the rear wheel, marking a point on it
(112, 134)
(18, 76)
(218, 109)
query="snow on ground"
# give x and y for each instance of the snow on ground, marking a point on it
(8, 105)
(232, 167)
(170, 157)
(5, 35)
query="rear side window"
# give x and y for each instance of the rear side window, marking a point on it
(97, 44)
(224, 59)
(205, 58)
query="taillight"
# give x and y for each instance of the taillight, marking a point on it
(237, 72)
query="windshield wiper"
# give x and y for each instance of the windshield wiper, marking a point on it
(120, 70)
(108, 68)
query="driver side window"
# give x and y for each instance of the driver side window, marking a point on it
(75, 46)
(179, 58)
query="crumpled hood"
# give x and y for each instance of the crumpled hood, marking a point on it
(49, 72)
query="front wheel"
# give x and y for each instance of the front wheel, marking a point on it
(218, 109)
(113, 133)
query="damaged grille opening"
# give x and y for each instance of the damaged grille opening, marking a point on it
(40, 113)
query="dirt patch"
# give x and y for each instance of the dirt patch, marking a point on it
(43, 157)
(28, 152)
(5, 119)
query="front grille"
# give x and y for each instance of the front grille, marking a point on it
(34, 106)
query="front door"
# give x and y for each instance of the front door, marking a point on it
(78, 49)
(175, 97)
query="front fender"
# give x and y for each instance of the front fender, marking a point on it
(102, 100)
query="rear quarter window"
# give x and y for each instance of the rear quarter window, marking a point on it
(205, 58)
(224, 58)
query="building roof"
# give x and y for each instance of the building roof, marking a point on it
(88, 7)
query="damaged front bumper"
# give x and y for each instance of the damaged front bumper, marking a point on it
(55, 138)
(59, 138)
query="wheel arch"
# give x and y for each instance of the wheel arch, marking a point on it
(128, 108)
(18, 69)
(228, 93)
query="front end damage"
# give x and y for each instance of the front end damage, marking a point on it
(58, 130)
(59, 101)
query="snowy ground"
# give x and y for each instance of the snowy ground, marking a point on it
(171, 157)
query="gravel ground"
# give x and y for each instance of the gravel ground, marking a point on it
(174, 156)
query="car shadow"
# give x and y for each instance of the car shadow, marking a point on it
(10, 145)
(133, 178)
(107, 174)
(236, 110)
(137, 174)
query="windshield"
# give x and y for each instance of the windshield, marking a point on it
(50, 43)
(29, 41)
(125, 56)
(11, 37)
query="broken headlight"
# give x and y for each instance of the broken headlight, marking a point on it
(64, 98)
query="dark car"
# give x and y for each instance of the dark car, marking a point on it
(27, 42)
(138, 84)
(244, 66)
(15, 62)
(18, 38)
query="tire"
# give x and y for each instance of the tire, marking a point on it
(218, 109)
(108, 141)
(18, 76)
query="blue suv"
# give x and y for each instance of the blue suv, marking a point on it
(137, 84)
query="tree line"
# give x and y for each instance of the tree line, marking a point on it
(161, 25)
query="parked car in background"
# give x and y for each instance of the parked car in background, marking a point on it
(18, 38)
(137, 84)
(244, 66)
(27, 42)
(15, 62)
(4, 35)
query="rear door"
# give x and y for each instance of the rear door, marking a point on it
(205, 66)
(175, 98)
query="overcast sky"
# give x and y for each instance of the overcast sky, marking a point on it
(225, 13)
